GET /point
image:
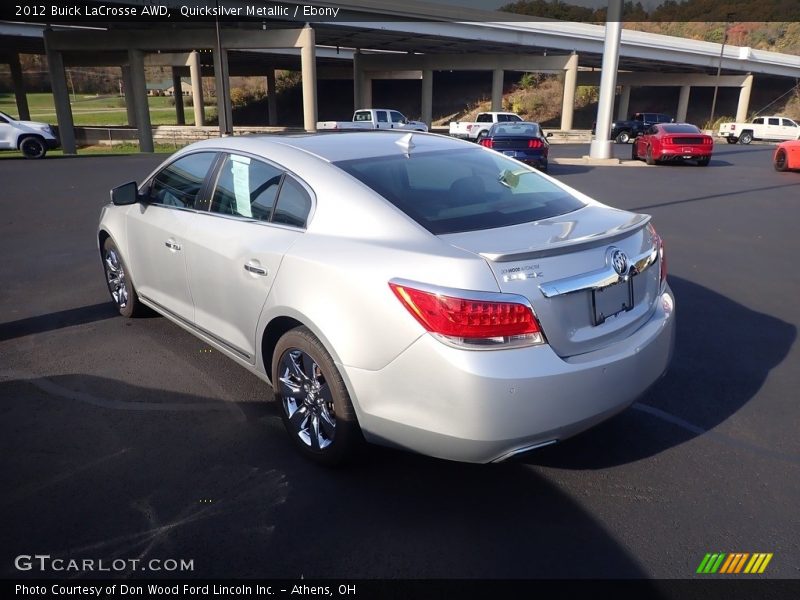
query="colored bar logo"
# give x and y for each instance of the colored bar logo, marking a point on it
(734, 563)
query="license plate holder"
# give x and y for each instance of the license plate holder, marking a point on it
(610, 301)
(511, 153)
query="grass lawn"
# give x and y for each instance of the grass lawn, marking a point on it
(117, 150)
(99, 111)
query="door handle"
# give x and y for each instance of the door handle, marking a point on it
(255, 269)
(172, 245)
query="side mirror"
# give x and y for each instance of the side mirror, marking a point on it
(125, 194)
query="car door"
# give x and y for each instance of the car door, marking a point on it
(156, 230)
(8, 134)
(789, 130)
(235, 249)
(398, 120)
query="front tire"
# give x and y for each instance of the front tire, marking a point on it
(623, 137)
(315, 406)
(781, 160)
(32, 147)
(731, 139)
(746, 138)
(120, 285)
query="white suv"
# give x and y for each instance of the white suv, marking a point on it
(32, 138)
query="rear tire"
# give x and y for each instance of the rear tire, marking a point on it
(634, 154)
(703, 162)
(623, 137)
(648, 156)
(781, 160)
(32, 147)
(313, 400)
(746, 138)
(119, 283)
(481, 135)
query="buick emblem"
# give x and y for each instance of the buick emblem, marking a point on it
(619, 261)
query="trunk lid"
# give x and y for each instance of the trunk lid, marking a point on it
(565, 267)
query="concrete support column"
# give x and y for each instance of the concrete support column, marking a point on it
(130, 103)
(358, 81)
(272, 99)
(58, 84)
(196, 75)
(308, 66)
(427, 96)
(19, 88)
(139, 93)
(222, 84)
(177, 87)
(601, 145)
(568, 99)
(683, 104)
(497, 89)
(624, 102)
(366, 92)
(744, 99)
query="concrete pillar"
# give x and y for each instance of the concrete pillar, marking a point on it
(177, 87)
(308, 66)
(683, 104)
(196, 75)
(624, 102)
(222, 84)
(272, 99)
(58, 84)
(358, 81)
(601, 145)
(497, 89)
(427, 96)
(19, 88)
(130, 103)
(139, 93)
(366, 92)
(744, 99)
(568, 99)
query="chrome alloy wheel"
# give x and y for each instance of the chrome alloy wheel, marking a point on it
(307, 399)
(115, 276)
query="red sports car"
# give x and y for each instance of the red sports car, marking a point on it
(673, 142)
(787, 156)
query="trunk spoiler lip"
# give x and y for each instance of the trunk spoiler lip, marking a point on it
(588, 241)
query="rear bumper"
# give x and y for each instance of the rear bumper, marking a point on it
(482, 406)
(678, 153)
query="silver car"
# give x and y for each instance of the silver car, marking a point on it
(404, 289)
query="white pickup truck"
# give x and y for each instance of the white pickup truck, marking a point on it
(761, 128)
(375, 118)
(477, 130)
(32, 138)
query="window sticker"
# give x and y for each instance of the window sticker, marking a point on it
(240, 169)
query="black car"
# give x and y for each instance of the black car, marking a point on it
(623, 132)
(521, 140)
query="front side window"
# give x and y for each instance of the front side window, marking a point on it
(789, 123)
(246, 188)
(179, 183)
(462, 190)
(397, 117)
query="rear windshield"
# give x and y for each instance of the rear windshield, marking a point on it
(515, 130)
(680, 129)
(462, 190)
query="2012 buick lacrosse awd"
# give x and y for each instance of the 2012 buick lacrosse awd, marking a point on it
(404, 289)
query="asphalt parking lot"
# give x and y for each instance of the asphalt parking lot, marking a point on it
(129, 439)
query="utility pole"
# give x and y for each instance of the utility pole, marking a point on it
(719, 69)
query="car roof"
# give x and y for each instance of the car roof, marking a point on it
(336, 146)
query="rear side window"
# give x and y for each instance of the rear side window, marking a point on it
(179, 183)
(246, 188)
(294, 204)
(484, 118)
(462, 190)
(381, 116)
(774, 121)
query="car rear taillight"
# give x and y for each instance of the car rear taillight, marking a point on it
(486, 142)
(475, 321)
(668, 141)
(662, 257)
(535, 143)
(733, 127)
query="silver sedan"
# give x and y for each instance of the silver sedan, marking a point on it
(404, 289)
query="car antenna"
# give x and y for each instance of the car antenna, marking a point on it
(406, 143)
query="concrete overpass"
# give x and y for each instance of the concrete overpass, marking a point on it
(369, 40)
